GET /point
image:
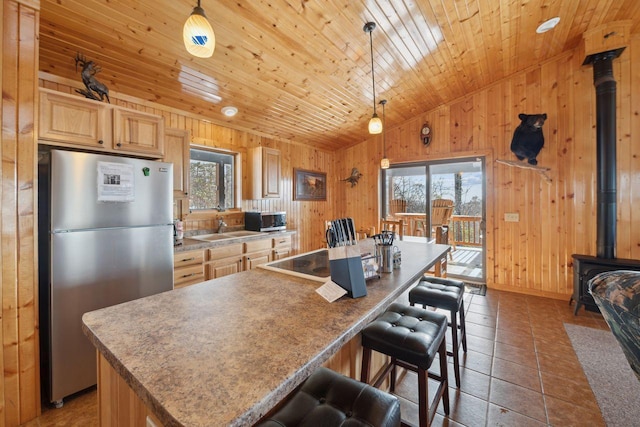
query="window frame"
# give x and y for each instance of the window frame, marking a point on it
(237, 175)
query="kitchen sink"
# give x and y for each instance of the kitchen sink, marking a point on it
(223, 236)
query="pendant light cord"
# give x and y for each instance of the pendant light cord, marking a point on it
(373, 79)
(384, 129)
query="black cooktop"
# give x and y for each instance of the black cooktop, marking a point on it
(314, 264)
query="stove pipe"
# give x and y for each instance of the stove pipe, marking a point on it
(605, 150)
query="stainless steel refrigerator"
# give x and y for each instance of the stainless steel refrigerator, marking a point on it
(105, 237)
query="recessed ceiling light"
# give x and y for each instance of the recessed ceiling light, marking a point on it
(229, 111)
(547, 25)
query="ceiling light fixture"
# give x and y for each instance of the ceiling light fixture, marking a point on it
(384, 163)
(198, 36)
(548, 25)
(375, 124)
(229, 111)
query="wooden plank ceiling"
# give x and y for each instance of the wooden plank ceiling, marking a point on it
(301, 70)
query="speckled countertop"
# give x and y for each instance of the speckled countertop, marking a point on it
(226, 351)
(189, 244)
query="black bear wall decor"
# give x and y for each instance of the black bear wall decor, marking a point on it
(528, 139)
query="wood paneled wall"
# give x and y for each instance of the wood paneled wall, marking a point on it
(20, 386)
(557, 219)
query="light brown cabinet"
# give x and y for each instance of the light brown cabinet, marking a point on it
(138, 132)
(72, 121)
(264, 178)
(176, 151)
(281, 247)
(224, 260)
(188, 268)
(257, 252)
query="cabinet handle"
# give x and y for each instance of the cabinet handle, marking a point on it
(118, 145)
(100, 141)
(188, 259)
(188, 275)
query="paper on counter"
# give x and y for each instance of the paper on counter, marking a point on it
(331, 291)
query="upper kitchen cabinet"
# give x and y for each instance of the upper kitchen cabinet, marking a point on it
(137, 132)
(176, 148)
(72, 121)
(264, 173)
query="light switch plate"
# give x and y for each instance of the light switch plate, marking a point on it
(512, 217)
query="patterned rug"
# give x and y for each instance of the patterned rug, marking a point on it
(475, 288)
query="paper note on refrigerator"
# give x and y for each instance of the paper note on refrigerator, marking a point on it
(115, 182)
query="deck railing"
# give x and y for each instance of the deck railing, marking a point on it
(466, 230)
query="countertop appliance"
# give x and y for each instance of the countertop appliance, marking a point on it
(265, 221)
(105, 237)
(312, 265)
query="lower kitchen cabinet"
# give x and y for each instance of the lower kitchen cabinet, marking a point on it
(281, 247)
(224, 260)
(257, 252)
(188, 268)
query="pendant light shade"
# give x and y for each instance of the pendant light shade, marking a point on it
(384, 163)
(375, 124)
(198, 36)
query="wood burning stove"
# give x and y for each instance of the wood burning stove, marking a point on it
(585, 267)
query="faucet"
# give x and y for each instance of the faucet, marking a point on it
(221, 225)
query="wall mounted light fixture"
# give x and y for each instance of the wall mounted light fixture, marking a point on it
(375, 124)
(198, 36)
(384, 163)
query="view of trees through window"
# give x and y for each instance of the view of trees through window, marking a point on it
(465, 189)
(211, 180)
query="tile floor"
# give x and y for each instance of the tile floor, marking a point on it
(520, 370)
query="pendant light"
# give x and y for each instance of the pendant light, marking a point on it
(384, 163)
(375, 124)
(198, 36)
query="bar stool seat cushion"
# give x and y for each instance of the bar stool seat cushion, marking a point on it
(330, 399)
(437, 292)
(411, 334)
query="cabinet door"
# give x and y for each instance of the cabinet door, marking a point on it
(176, 143)
(281, 247)
(252, 260)
(72, 120)
(224, 267)
(138, 132)
(264, 173)
(281, 253)
(271, 173)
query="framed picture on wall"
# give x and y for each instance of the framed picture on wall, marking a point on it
(309, 185)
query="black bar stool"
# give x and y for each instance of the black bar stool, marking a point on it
(411, 337)
(446, 294)
(327, 398)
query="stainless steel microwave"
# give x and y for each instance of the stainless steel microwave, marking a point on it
(265, 221)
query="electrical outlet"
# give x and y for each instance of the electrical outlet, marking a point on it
(512, 217)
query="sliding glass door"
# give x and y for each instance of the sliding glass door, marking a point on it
(442, 201)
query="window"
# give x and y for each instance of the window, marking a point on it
(211, 180)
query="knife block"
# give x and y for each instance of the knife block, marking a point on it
(345, 264)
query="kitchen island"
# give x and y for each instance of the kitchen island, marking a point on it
(226, 351)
